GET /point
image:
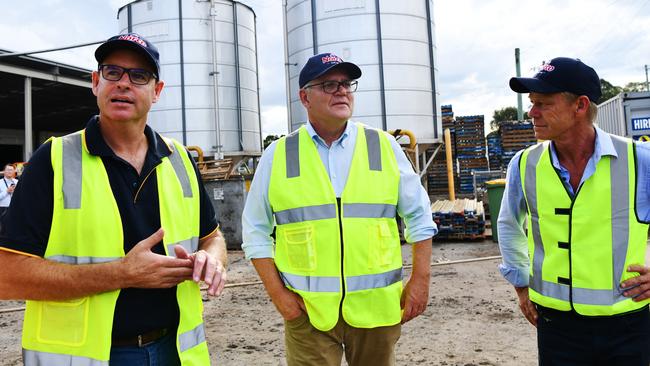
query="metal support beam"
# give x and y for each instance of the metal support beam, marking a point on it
(520, 109)
(28, 120)
(182, 67)
(44, 76)
(380, 56)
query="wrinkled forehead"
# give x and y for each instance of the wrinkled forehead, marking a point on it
(335, 74)
(129, 59)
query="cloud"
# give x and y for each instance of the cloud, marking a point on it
(476, 42)
(274, 120)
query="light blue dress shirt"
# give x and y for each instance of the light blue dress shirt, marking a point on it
(257, 219)
(512, 238)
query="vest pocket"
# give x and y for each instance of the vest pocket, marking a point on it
(381, 245)
(301, 253)
(63, 322)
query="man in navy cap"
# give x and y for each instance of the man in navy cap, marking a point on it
(579, 270)
(332, 190)
(110, 232)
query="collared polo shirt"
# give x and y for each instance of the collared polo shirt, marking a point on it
(26, 227)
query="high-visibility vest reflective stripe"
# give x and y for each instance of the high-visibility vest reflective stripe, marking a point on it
(78, 331)
(308, 239)
(580, 249)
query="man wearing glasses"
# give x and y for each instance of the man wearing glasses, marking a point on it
(112, 231)
(332, 190)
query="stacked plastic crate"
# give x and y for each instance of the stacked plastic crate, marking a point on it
(515, 136)
(437, 176)
(470, 150)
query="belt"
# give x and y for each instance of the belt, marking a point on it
(140, 340)
(571, 314)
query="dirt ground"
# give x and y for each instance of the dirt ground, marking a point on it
(472, 318)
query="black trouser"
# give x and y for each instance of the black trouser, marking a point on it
(3, 211)
(568, 339)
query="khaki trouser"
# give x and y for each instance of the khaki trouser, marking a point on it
(306, 345)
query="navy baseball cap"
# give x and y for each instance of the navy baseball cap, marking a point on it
(319, 64)
(561, 74)
(130, 41)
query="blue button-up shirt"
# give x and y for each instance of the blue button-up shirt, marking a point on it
(512, 238)
(257, 219)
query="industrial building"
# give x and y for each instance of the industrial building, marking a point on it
(40, 98)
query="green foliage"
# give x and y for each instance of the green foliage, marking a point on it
(609, 90)
(504, 114)
(269, 139)
(635, 86)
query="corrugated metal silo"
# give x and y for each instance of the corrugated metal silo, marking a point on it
(194, 37)
(394, 44)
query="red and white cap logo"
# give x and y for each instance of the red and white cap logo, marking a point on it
(331, 58)
(548, 67)
(132, 38)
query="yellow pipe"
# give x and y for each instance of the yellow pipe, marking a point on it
(199, 152)
(408, 133)
(450, 166)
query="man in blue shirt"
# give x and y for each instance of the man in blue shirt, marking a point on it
(326, 91)
(577, 264)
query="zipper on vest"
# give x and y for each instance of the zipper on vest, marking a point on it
(338, 203)
(573, 201)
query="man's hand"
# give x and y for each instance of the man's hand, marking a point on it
(146, 269)
(416, 292)
(414, 298)
(526, 306)
(289, 304)
(638, 288)
(206, 268)
(11, 189)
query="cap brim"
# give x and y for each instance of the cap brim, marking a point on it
(527, 85)
(107, 48)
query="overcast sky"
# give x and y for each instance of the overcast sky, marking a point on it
(475, 42)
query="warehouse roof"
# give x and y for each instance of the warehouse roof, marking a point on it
(61, 97)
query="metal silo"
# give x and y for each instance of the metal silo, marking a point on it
(394, 44)
(217, 111)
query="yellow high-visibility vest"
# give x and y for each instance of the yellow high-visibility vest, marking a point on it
(87, 229)
(339, 254)
(580, 248)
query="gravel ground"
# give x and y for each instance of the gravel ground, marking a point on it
(472, 318)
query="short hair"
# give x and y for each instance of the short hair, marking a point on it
(592, 112)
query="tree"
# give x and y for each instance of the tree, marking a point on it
(635, 86)
(269, 139)
(609, 90)
(504, 114)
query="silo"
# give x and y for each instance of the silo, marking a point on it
(195, 38)
(394, 44)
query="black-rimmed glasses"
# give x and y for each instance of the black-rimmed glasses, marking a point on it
(137, 76)
(332, 86)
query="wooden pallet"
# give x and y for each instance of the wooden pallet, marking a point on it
(215, 169)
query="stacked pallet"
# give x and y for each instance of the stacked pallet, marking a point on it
(495, 150)
(448, 122)
(470, 150)
(437, 182)
(459, 220)
(515, 136)
(212, 169)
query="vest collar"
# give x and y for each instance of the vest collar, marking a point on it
(603, 147)
(343, 140)
(96, 145)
